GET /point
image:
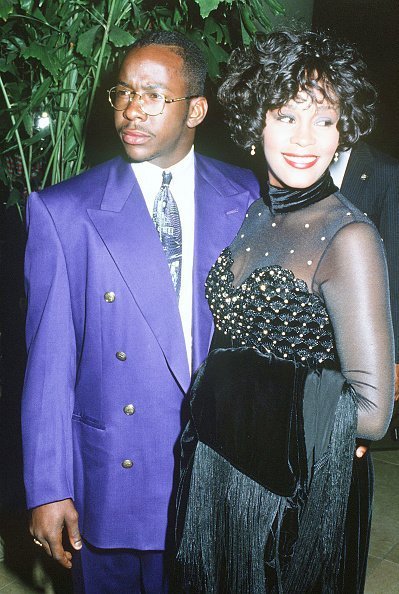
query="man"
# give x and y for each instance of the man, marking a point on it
(370, 180)
(117, 317)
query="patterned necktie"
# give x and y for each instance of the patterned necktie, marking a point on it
(167, 223)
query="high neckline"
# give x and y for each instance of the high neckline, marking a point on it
(289, 199)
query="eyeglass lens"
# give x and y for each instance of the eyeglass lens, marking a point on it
(151, 103)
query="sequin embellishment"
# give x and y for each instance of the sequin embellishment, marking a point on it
(271, 311)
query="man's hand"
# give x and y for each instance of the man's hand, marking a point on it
(46, 526)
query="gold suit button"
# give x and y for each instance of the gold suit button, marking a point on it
(129, 409)
(121, 356)
(127, 463)
(109, 296)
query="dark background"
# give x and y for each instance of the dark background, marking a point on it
(373, 25)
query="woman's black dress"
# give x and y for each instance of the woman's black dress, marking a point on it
(304, 287)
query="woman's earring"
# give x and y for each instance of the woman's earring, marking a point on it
(336, 156)
(253, 149)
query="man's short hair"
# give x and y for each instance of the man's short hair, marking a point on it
(195, 67)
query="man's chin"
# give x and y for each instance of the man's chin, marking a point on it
(136, 156)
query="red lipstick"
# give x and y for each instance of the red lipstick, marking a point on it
(300, 161)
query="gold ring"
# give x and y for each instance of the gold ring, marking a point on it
(37, 542)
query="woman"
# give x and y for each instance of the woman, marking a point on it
(301, 361)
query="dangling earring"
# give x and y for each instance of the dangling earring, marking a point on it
(253, 149)
(336, 156)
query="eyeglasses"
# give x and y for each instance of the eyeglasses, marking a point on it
(151, 103)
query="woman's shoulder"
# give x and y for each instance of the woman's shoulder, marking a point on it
(258, 208)
(341, 214)
(351, 230)
(346, 212)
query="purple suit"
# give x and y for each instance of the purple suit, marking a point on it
(92, 354)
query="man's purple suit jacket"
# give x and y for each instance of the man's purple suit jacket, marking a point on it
(88, 236)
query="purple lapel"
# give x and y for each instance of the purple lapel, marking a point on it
(126, 228)
(219, 211)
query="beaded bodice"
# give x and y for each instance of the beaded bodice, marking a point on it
(271, 311)
(310, 285)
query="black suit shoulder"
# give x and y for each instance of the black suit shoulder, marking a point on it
(371, 180)
(379, 156)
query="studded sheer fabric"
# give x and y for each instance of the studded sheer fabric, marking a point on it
(311, 285)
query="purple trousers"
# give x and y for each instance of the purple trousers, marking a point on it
(118, 571)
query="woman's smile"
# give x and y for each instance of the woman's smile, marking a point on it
(300, 161)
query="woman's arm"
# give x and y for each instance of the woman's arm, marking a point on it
(353, 281)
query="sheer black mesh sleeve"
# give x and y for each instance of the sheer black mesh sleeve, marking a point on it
(353, 282)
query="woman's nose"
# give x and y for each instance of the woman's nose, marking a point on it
(303, 135)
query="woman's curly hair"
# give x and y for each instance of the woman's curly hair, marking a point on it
(271, 72)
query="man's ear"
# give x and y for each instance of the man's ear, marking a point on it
(197, 111)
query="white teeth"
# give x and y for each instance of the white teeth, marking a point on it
(299, 159)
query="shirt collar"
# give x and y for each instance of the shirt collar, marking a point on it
(338, 168)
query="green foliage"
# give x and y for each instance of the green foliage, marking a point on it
(53, 56)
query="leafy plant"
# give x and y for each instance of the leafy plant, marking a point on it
(53, 56)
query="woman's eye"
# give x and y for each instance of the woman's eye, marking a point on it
(286, 119)
(324, 123)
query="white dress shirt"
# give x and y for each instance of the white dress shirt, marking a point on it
(338, 168)
(149, 177)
